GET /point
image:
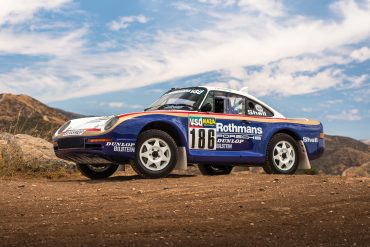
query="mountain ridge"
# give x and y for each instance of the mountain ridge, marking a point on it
(24, 114)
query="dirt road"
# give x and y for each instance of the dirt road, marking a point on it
(235, 210)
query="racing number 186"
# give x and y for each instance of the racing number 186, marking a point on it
(202, 138)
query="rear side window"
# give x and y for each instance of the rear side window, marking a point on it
(256, 109)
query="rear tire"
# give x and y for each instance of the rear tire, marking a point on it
(214, 170)
(156, 154)
(97, 171)
(282, 155)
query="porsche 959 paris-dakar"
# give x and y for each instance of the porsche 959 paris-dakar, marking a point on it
(213, 127)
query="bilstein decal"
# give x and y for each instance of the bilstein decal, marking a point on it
(125, 147)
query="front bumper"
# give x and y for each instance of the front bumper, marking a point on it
(81, 151)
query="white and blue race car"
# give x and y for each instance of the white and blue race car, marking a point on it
(212, 127)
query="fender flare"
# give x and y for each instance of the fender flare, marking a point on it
(303, 162)
(180, 139)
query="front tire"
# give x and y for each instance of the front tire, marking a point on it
(214, 170)
(156, 154)
(282, 155)
(97, 171)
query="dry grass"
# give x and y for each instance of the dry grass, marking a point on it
(33, 124)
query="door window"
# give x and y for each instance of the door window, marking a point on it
(228, 103)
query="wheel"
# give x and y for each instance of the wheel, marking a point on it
(156, 154)
(214, 170)
(97, 171)
(282, 155)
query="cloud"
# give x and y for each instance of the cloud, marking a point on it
(281, 48)
(17, 11)
(218, 2)
(266, 7)
(29, 43)
(346, 115)
(125, 21)
(361, 54)
(119, 105)
(19, 21)
(183, 6)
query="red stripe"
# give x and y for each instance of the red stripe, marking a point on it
(199, 113)
(93, 129)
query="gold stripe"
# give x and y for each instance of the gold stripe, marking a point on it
(194, 114)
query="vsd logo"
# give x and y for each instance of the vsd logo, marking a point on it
(202, 122)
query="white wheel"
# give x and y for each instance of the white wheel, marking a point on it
(155, 154)
(284, 155)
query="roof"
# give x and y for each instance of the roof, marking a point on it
(244, 93)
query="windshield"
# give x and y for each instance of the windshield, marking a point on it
(180, 99)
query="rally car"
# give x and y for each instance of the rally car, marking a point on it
(214, 128)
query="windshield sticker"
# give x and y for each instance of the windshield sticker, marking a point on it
(192, 91)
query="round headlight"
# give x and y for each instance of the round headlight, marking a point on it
(64, 127)
(111, 122)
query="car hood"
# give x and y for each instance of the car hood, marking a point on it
(82, 125)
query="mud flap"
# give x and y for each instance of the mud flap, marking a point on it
(304, 162)
(182, 161)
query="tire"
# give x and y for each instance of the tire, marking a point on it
(282, 155)
(214, 170)
(97, 171)
(156, 154)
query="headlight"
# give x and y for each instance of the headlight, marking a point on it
(111, 122)
(64, 127)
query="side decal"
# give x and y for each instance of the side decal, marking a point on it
(202, 133)
(123, 147)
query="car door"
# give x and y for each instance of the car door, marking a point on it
(235, 132)
(231, 134)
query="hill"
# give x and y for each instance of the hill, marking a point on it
(342, 153)
(26, 115)
(367, 142)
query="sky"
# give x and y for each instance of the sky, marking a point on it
(304, 58)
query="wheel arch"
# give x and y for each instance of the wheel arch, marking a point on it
(288, 132)
(177, 133)
(168, 127)
(304, 162)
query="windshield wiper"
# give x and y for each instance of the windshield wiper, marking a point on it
(167, 105)
(148, 108)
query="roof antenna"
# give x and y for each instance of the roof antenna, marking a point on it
(244, 89)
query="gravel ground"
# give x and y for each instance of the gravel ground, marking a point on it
(186, 210)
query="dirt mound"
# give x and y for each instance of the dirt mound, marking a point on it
(26, 115)
(22, 154)
(340, 154)
(358, 171)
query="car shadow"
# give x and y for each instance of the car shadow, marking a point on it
(120, 178)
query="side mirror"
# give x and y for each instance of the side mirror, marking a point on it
(206, 108)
